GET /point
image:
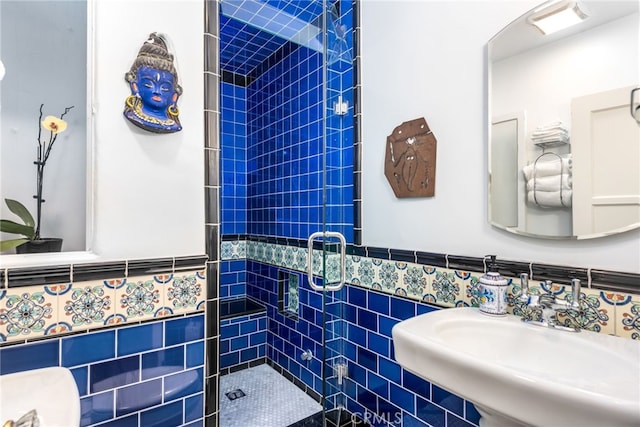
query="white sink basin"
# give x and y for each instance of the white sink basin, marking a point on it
(518, 373)
(52, 392)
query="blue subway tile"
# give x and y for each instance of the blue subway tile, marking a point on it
(129, 421)
(92, 347)
(410, 421)
(367, 320)
(454, 421)
(357, 297)
(472, 413)
(368, 359)
(248, 354)
(81, 376)
(229, 331)
(115, 373)
(378, 344)
(386, 324)
(96, 408)
(162, 362)
(229, 359)
(430, 413)
(390, 370)
(184, 329)
(402, 309)
(378, 303)
(138, 396)
(248, 327)
(163, 416)
(401, 397)
(359, 374)
(416, 384)
(239, 343)
(378, 385)
(193, 407)
(195, 354)
(183, 384)
(139, 338)
(197, 423)
(447, 400)
(29, 356)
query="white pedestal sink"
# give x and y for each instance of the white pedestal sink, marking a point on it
(52, 392)
(521, 374)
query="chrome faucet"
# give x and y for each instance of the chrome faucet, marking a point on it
(550, 305)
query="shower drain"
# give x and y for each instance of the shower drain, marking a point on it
(235, 394)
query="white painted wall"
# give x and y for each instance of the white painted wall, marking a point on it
(428, 58)
(148, 198)
(149, 188)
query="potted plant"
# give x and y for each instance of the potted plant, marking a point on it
(30, 228)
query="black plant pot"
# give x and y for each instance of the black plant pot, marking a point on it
(40, 246)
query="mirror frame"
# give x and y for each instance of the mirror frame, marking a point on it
(521, 114)
(71, 257)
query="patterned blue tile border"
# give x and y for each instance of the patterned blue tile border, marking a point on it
(456, 283)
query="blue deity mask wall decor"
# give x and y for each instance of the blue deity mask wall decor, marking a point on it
(153, 80)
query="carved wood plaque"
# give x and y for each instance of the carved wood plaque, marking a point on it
(410, 160)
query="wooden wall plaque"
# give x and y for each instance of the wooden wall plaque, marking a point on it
(410, 159)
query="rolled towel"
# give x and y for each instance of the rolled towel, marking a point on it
(550, 199)
(546, 133)
(551, 183)
(541, 169)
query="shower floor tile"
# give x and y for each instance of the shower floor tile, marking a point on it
(270, 399)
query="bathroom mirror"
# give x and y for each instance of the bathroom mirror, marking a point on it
(564, 150)
(44, 50)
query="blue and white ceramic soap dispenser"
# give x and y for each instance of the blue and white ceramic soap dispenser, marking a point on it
(492, 291)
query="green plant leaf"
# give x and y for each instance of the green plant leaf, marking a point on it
(8, 226)
(19, 209)
(10, 244)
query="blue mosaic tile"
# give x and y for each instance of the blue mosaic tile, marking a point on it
(138, 396)
(139, 338)
(162, 362)
(88, 348)
(183, 330)
(114, 373)
(29, 356)
(96, 408)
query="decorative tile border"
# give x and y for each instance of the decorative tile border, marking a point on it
(29, 312)
(604, 311)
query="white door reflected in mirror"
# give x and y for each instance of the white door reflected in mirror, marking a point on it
(564, 99)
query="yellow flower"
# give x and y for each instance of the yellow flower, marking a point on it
(54, 124)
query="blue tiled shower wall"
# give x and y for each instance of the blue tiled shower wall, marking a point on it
(274, 146)
(363, 319)
(242, 339)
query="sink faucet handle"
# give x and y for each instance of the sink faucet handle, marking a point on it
(575, 293)
(524, 287)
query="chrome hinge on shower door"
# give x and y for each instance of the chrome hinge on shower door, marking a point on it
(340, 370)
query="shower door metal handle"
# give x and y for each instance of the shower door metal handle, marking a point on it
(343, 260)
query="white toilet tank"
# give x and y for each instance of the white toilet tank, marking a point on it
(52, 392)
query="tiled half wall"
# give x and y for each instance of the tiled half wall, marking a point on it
(609, 302)
(133, 339)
